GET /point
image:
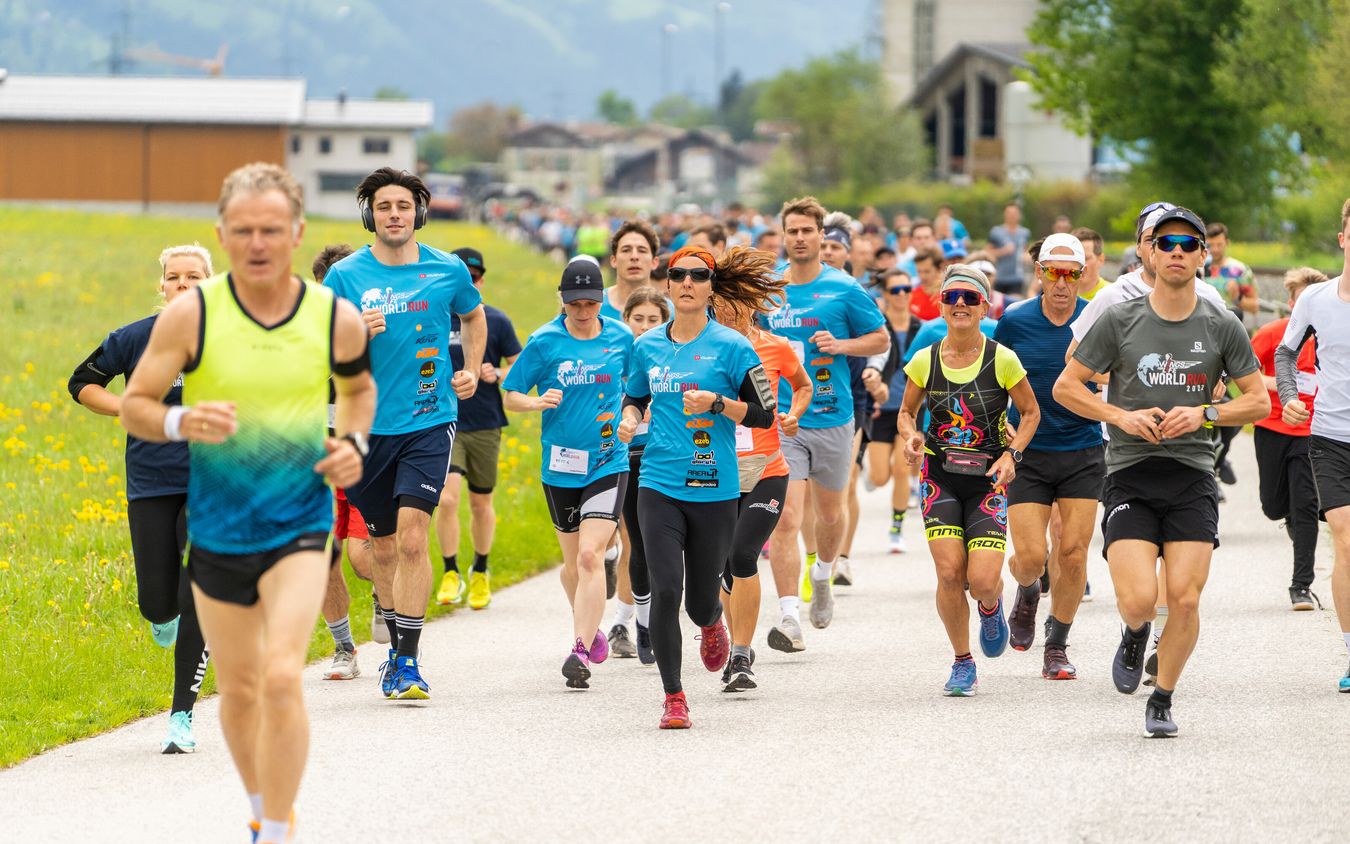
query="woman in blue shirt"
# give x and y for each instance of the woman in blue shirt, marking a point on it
(700, 380)
(576, 363)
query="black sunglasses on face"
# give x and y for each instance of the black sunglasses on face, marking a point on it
(1169, 242)
(899, 288)
(697, 274)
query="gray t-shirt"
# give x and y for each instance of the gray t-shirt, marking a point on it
(1009, 267)
(1161, 363)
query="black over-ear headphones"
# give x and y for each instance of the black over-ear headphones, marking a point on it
(368, 214)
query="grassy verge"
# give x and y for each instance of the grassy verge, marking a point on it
(77, 657)
(1266, 256)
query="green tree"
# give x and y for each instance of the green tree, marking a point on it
(844, 133)
(391, 92)
(740, 102)
(478, 132)
(680, 110)
(616, 109)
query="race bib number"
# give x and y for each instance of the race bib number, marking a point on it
(745, 441)
(571, 461)
(332, 416)
(1307, 383)
(798, 349)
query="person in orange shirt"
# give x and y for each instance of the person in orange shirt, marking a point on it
(764, 480)
(1287, 488)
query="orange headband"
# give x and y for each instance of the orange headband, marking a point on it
(694, 252)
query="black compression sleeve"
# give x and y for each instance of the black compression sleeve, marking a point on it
(640, 402)
(355, 367)
(88, 373)
(759, 403)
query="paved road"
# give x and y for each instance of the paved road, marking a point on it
(849, 738)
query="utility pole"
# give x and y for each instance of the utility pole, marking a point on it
(719, 56)
(666, 32)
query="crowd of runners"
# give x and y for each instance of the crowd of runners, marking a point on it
(715, 406)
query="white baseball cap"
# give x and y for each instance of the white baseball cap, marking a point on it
(1062, 240)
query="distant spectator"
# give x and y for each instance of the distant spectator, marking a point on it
(1226, 274)
(1062, 224)
(958, 228)
(1008, 241)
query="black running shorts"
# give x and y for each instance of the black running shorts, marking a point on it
(1160, 500)
(233, 578)
(1331, 471)
(1044, 477)
(601, 498)
(962, 507)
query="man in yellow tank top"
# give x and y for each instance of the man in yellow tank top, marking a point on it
(256, 347)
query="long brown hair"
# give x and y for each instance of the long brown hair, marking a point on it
(745, 283)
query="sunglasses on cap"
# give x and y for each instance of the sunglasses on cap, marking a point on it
(900, 288)
(1169, 242)
(969, 298)
(1056, 274)
(697, 274)
(1153, 206)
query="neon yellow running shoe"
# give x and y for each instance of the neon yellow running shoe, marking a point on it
(480, 593)
(452, 589)
(806, 578)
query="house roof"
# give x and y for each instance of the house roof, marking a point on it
(1009, 55)
(368, 114)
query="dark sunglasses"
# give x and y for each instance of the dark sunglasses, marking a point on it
(969, 298)
(1169, 242)
(697, 274)
(1056, 274)
(900, 288)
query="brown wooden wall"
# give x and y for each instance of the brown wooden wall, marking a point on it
(128, 162)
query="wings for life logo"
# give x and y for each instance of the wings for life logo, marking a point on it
(1157, 370)
(573, 373)
(661, 380)
(387, 302)
(790, 317)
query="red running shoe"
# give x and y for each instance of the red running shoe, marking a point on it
(714, 646)
(676, 714)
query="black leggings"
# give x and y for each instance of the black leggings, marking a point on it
(760, 509)
(158, 536)
(1288, 492)
(686, 544)
(637, 551)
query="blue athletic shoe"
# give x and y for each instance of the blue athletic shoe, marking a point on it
(387, 671)
(963, 682)
(993, 630)
(408, 682)
(165, 634)
(180, 734)
(1345, 682)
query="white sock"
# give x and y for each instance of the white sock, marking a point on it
(612, 554)
(822, 570)
(644, 609)
(255, 800)
(791, 605)
(274, 830)
(1347, 640)
(625, 613)
(1158, 624)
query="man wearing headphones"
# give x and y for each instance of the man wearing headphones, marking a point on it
(407, 292)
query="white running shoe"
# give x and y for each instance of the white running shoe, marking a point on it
(898, 545)
(843, 572)
(344, 666)
(379, 631)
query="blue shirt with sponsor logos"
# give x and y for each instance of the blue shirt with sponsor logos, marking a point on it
(579, 437)
(1040, 346)
(483, 410)
(691, 457)
(409, 359)
(834, 302)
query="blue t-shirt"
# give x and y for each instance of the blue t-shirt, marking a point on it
(153, 469)
(483, 410)
(832, 302)
(691, 457)
(580, 436)
(1040, 346)
(410, 359)
(898, 379)
(935, 329)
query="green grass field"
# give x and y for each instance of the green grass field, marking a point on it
(75, 655)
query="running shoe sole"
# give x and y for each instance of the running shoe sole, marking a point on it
(411, 693)
(576, 672)
(1159, 734)
(1060, 675)
(779, 641)
(962, 692)
(740, 682)
(170, 749)
(676, 724)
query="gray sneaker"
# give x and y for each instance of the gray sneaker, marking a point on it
(620, 643)
(822, 603)
(344, 666)
(787, 636)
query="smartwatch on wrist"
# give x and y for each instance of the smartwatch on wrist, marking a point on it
(718, 405)
(1016, 455)
(1211, 415)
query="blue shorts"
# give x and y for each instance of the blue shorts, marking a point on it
(402, 470)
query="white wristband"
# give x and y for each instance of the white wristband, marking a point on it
(172, 420)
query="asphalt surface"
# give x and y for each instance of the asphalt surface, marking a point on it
(850, 738)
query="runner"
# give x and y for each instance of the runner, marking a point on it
(1094, 258)
(1164, 353)
(157, 485)
(1230, 278)
(825, 316)
(1288, 492)
(763, 485)
(967, 463)
(928, 279)
(1323, 314)
(478, 440)
(700, 380)
(407, 293)
(632, 254)
(886, 462)
(646, 309)
(256, 348)
(577, 363)
(1061, 470)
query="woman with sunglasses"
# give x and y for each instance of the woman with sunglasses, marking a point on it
(700, 380)
(885, 462)
(967, 463)
(576, 363)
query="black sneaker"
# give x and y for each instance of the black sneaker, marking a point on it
(1226, 473)
(620, 644)
(1302, 598)
(738, 676)
(645, 654)
(1022, 619)
(1151, 667)
(1129, 662)
(611, 576)
(1158, 721)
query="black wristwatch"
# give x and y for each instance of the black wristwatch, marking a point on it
(1211, 415)
(718, 405)
(1016, 455)
(359, 442)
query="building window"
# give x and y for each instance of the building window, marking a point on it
(925, 15)
(339, 182)
(988, 109)
(325, 145)
(375, 146)
(295, 144)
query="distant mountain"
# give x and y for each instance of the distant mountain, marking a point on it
(551, 57)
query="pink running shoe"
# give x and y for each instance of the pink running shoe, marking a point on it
(714, 646)
(577, 667)
(599, 651)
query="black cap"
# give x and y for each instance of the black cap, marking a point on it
(1181, 215)
(582, 281)
(471, 257)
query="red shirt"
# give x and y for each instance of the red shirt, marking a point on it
(1263, 343)
(923, 306)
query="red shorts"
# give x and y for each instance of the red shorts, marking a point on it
(348, 523)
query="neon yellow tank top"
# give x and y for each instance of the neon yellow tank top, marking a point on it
(258, 490)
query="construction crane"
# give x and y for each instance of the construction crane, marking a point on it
(154, 55)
